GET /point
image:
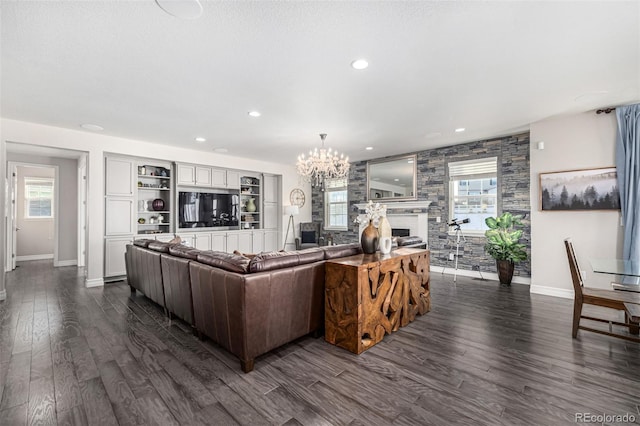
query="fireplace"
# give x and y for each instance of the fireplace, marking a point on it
(415, 222)
(400, 232)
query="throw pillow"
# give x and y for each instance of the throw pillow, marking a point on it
(308, 237)
(247, 255)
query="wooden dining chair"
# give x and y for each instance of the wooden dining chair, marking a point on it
(613, 299)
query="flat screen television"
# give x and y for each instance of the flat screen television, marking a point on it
(208, 209)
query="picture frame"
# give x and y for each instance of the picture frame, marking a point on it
(583, 189)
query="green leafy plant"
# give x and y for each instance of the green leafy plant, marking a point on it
(503, 239)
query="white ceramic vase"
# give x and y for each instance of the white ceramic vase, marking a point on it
(385, 245)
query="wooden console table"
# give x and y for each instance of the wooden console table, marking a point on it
(368, 296)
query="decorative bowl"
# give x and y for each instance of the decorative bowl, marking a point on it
(157, 204)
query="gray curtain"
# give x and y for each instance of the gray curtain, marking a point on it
(628, 165)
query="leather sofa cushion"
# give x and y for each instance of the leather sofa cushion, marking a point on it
(343, 250)
(284, 259)
(405, 241)
(227, 261)
(184, 251)
(144, 242)
(160, 246)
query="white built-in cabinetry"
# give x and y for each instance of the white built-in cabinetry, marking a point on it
(133, 184)
(205, 176)
(131, 187)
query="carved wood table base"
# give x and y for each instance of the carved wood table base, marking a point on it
(368, 296)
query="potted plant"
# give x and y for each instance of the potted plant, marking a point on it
(503, 244)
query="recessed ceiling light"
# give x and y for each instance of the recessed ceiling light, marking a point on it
(359, 64)
(396, 180)
(93, 127)
(460, 129)
(183, 9)
(199, 139)
(221, 150)
(369, 148)
(254, 113)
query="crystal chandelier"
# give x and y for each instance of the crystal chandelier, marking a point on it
(322, 164)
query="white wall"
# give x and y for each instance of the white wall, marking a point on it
(35, 237)
(97, 145)
(581, 141)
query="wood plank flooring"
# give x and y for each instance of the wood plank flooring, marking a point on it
(484, 355)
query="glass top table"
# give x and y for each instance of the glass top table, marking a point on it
(628, 269)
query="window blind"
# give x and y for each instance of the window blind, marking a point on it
(473, 169)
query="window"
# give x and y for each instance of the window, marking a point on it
(473, 192)
(336, 211)
(38, 198)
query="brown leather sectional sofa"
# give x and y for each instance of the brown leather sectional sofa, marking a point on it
(248, 306)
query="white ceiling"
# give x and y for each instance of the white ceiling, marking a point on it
(491, 67)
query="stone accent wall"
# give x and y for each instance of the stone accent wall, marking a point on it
(513, 176)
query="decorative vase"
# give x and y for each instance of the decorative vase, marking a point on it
(384, 232)
(505, 271)
(385, 245)
(369, 239)
(157, 204)
(251, 206)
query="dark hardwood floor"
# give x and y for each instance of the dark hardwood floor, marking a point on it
(484, 355)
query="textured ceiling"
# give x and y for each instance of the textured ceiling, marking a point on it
(491, 67)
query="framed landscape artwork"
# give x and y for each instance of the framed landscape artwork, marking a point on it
(589, 189)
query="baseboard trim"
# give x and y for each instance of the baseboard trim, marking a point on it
(72, 262)
(34, 257)
(95, 282)
(3, 294)
(552, 291)
(492, 276)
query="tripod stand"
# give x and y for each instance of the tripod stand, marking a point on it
(459, 235)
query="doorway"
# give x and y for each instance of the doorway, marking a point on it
(61, 199)
(34, 212)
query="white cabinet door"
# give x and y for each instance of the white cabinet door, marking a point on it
(119, 216)
(202, 241)
(186, 174)
(119, 177)
(245, 242)
(270, 240)
(218, 178)
(233, 242)
(271, 189)
(271, 215)
(233, 179)
(219, 241)
(203, 176)
(258, 241)
(114, 250)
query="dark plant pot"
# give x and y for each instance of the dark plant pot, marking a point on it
(369, 239)
(505, 271)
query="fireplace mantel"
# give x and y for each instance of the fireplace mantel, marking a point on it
(394, 205)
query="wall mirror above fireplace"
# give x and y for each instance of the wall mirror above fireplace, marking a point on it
(392, 178)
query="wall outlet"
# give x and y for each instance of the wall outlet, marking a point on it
(451, 256)
(438, 219)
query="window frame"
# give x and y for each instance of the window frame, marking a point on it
(470, 170)
(33, 181)
(328, 189)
